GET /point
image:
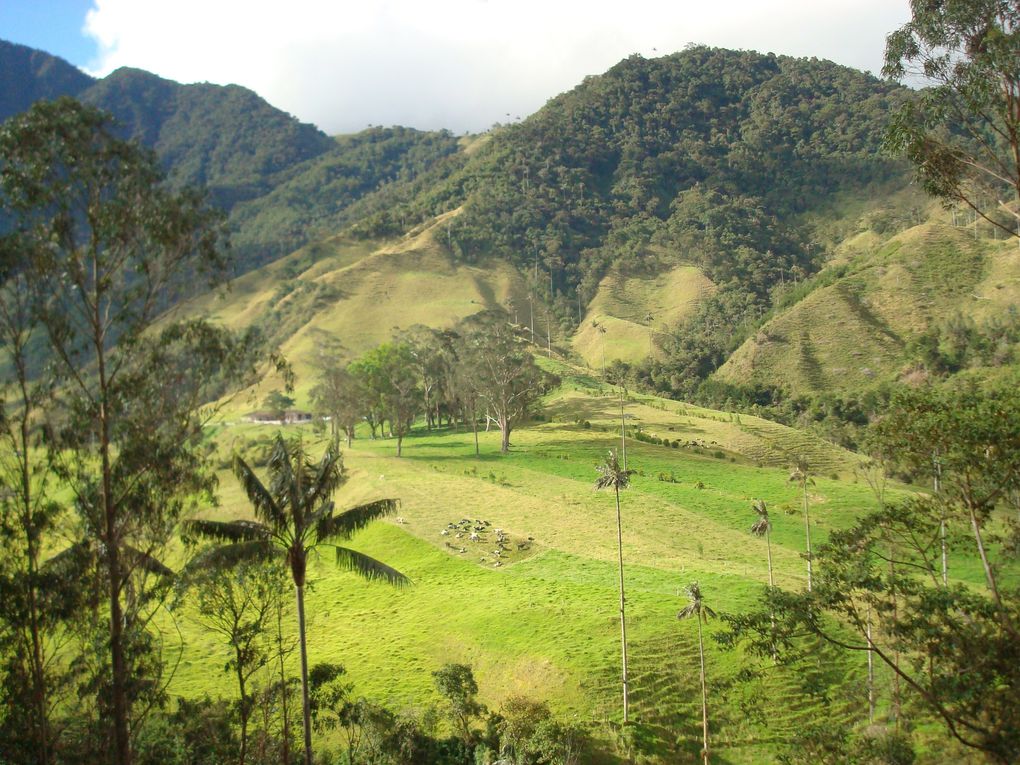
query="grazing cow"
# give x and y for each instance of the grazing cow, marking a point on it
(445, 533)
(474, 537)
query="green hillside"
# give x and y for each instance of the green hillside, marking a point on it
(543, 622)
(860, 328)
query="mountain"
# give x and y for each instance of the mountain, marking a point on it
(294, 181)
(27, 75)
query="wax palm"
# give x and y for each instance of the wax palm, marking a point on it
(697, 608)
(762, 528)
(801, 474)
(611, 475)
(295, 515)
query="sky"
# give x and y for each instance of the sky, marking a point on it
(457, 64)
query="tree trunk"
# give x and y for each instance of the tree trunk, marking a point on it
(283, 685)
(704, 693)
(772, 583)
(504, 430)
(121, 711)
(474, 427)
(623, 610)
(306, 709)
(807, 534)
(244, 705)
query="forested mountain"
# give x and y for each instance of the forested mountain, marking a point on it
(26, 75)
(231, 141)
(751, 169)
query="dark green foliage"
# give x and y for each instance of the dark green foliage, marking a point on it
(962, 133)
(456, 684)
(30, 75)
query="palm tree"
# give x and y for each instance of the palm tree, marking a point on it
(696, 607)
(612, 475)
(801, 474)
(294, 516)
(761, 528)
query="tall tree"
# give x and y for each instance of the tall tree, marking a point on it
(106, 249)
(611, 475)
(509, 382)
(295, 516)
(27, 516)
(239, 605)
(697, 609)
(962, 132)
(340, 396)
(801, 475)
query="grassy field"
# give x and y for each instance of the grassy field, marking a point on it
(543, 620)
(632, 308)
(890, 295)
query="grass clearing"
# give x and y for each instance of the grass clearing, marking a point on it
(544, 622)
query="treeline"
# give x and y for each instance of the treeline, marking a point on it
(482, 370)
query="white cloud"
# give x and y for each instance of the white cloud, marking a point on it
(461, 64)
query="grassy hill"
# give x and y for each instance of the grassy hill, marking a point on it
(542, 620)
(632, 308)
(856, 329)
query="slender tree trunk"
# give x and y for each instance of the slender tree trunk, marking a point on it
(807, 534)
(871, 673)
(306, 709)
(283, 685)
(942, 520)
(623, 610)
(474, 428)
(111, 534)
(704, 693)
(989, 574)
(623, 430)
(772, 583)
(244, 705)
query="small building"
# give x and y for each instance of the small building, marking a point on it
(287, 417)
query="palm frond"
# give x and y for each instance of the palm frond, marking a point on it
(228, 531)
(266, 507)
(142, 560)
(344, 525)
(329, 475)
(228, 556)
(763, 525)
(611, 475)
(369, 568)
(696, 606)
(71, 563)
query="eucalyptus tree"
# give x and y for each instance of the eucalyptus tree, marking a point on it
(106, 248)
(697, 609)
(801, 475)
(295, 516)
(962, 131)
(611, 475)
(238, 604)
(27, 518)
(509, 383)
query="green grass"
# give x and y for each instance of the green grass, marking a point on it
(545, 622)
(855, 332)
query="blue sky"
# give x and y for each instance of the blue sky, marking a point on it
(55, 26)
(456, 64)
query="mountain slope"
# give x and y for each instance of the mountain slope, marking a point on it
(27, 75)
(860, 330)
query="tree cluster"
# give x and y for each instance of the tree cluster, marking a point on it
(481, 370)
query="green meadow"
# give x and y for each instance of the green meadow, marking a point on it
(542, 620)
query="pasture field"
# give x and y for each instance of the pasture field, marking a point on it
(543, 620)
